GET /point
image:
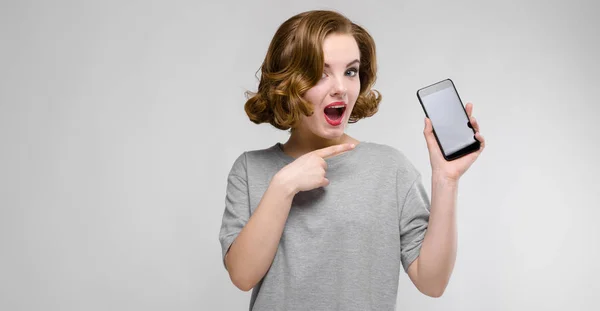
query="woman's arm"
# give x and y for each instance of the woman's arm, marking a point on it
(253, 250)
(431, 271)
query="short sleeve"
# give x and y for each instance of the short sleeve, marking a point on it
(237, 206)
(414, 220)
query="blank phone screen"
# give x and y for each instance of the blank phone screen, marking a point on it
(448, 119)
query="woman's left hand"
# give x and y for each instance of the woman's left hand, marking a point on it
(454, 169)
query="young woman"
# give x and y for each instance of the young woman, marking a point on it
(324, 221)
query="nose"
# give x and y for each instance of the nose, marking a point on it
(339, 88)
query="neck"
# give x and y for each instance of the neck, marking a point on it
(301, 142)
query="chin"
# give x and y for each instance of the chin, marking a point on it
(332, 133)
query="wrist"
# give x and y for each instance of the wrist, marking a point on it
(439, 178)
(283, 185)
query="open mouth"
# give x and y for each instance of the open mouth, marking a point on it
(334, 114)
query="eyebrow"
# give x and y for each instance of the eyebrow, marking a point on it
(350, 63)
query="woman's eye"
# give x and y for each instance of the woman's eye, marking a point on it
(352, 72)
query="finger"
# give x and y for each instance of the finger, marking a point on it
(475, 124)
(481, 139)
(469, 109)
(334, 150)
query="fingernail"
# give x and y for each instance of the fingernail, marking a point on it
(352, 145)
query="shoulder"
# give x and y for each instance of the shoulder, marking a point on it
(252, 157)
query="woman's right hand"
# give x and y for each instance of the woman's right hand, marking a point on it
(307, 172)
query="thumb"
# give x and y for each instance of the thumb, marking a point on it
(428, 133)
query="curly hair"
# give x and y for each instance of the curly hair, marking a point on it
(294, 63)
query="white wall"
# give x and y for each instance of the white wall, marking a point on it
(119, 121)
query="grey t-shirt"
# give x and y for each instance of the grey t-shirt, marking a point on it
(343, 244)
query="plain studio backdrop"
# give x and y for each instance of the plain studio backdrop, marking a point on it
(119, 121)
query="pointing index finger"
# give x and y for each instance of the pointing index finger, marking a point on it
(334, 150)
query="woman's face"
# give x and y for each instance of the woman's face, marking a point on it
(339, 86)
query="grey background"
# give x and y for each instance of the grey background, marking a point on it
(119, 121)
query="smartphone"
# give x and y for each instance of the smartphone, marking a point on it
(451, 126)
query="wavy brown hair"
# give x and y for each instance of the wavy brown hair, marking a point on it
(294, 63)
